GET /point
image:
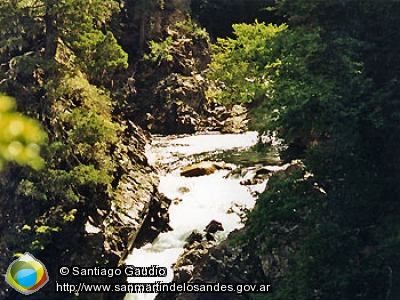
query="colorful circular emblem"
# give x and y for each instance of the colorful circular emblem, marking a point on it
(27, 274)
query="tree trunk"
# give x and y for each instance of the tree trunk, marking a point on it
(51, 34)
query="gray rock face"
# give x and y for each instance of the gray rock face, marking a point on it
(183, 108)
(138, 212)
(170, 96)
(205, 262)
(237, 121)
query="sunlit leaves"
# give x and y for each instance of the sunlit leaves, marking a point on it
(240, 65)
(160, 52)
(20, 136)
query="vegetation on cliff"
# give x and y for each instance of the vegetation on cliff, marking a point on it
(332, 93)
(59, 60)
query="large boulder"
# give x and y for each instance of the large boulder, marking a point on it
(202, 168)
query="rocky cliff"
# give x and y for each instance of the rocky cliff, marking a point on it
(170, 84)
(100, 234)
(96, 196)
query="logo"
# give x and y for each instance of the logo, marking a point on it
(27, 274)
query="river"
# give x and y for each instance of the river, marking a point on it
(197, 200)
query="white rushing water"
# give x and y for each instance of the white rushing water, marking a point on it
(203, 199)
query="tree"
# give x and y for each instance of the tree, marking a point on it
(241, 64)
(334, 92)
(57, 59)
(70, 31)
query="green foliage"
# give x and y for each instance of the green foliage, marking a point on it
(89, 175)
(332, 91)
(240, 64)
(78, 169)
(80, 25)
(174, 47)
(78, 172)
(292, 200)
(79, 92)
(88, 127)
(10, 29)
(57, 58)
(20, 136)
(190, 28)
(160, 51)
(74, 31)
(99, 55)
(74, 17)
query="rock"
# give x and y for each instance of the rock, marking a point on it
(286, 168)
(195, 236)
(213, 227)
(155, 221)
(238, 209)
(202, 168)
(184, 273)
(183, 190)
(180, 105)
(236, 173)
(176, 201)
(268, 170)
(237, 123)
(251, 181)
(119, 214)
(223, 262)
(238, 110)
(210, 237)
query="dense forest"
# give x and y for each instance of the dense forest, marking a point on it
(321, 75)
